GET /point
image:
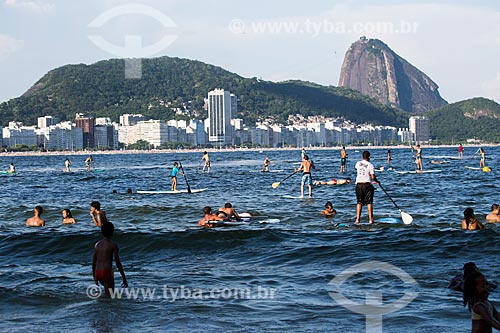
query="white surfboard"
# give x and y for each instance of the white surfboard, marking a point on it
(296, 197)
(414, 171)
(472, 168)
(172, 192)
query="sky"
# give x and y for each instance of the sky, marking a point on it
(456, 43)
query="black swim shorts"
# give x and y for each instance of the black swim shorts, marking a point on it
(364, 193)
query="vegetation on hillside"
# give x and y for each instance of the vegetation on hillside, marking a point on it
(476, 118)
(173, 88)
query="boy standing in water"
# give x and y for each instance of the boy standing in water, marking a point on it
(102, 260)
(98, 216)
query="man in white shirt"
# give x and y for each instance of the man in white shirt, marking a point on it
(364, 187)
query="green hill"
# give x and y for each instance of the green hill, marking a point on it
(476, 118)
(167, 84)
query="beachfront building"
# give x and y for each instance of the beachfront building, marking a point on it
(17, 134)
(195, 133)
(63, 136)
(46, 121)
(405, 136)
(219, 116)
(153, 131)
(86, 123)
(131, 119)
(420, 129)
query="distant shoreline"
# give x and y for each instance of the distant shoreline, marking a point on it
(222, 150)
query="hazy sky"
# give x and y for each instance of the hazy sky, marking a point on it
(456, 43)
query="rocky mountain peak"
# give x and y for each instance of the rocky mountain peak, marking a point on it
(373, 69)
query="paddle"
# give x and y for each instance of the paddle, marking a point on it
(275, 185)
(407, 218)
(184, 174)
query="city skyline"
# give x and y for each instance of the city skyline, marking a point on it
(274, 41)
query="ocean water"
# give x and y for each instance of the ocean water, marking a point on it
(284, 271)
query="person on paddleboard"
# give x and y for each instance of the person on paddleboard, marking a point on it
(343, 159)
(333, 182)
(227, 212)
(67, 164)
(306, 167)
(12, 168)
(205, 158)
(483, 158)
(209, 216)
(267, 162)
(89, 162)
(418, 157)
(460, 150)
(175, 171)
(364, 187)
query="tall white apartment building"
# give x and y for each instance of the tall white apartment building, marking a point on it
(420, 128)
(219, 116)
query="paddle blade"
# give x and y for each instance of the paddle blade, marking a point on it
(275, 185)
(407, 218)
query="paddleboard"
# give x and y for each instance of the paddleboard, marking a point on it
(245, 217)
(7, 173)
(226, 223)
(295, 197)
(393, 220)
(266, 171)
(414, 171)
(472, 168)
(172, 192)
